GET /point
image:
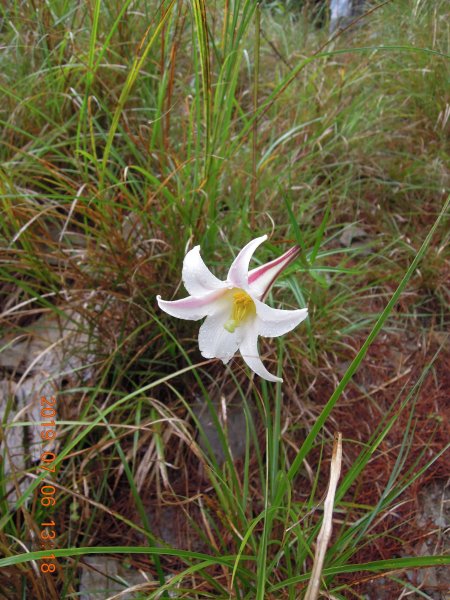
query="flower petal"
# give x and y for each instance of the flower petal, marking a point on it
(249, 350)
(197, 278)
(238, 273)
(273, 322)
(262, 278)
(193, 308)
(214, 340)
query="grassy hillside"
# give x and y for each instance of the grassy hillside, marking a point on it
(133, 131)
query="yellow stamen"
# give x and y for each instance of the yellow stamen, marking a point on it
(243, 307)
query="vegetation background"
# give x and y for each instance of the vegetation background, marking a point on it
(132, 131)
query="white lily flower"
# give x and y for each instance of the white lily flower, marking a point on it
(234, 309)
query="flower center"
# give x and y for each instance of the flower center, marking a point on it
(243, 307)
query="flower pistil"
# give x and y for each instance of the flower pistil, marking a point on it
(243, 307)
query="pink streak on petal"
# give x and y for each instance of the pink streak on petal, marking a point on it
(192, 308)
(262, 278)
